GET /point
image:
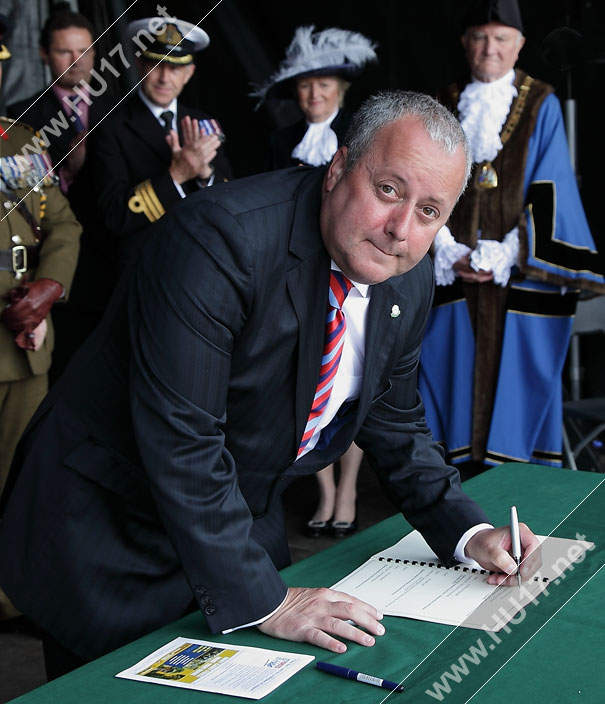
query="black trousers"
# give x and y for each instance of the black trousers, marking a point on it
(58, 660)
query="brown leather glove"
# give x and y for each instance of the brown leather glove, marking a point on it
(28, 305)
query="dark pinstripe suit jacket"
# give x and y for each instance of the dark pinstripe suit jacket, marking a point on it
(157, 477)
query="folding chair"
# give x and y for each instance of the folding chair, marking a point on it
(583, 418)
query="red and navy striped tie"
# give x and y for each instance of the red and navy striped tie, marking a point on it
(333, 344)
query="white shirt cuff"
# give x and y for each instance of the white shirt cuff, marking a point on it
(446, 253)
(179, 188)
(202, 183)
(255, 623)
(459, 553)
(498, 257)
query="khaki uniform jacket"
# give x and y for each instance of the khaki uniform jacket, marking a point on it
(59, 236)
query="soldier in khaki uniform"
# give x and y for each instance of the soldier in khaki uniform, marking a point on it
(39, 243)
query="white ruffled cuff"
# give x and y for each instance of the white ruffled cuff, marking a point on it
(447, 252)
(497, 257)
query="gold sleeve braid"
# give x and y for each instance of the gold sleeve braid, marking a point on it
(42, 204)
(146, 201)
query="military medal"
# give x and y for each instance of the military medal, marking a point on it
(487, 177)
(212, 127)
(20, 171)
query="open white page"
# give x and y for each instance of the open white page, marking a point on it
(408, 580)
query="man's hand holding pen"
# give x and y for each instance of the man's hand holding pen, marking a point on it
(493, 550)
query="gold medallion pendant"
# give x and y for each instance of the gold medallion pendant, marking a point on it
(487, 177)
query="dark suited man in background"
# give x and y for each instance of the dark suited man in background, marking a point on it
(39, 238)
(158, 478)
(66, 47)
(153, 151)
(64, 113)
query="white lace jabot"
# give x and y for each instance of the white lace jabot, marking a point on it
(319, 144)
(483, 108)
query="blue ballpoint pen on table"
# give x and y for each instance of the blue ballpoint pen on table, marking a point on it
(516, 541)
(358, 676)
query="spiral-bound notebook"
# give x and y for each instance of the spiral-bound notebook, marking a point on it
(408, 580)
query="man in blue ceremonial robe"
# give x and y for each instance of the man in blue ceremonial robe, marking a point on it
(509, 266)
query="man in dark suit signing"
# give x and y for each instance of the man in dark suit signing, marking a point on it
(158, 478)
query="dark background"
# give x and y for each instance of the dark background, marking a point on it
(418, 49)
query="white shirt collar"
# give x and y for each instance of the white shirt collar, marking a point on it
(328, 121)
(157, 110)
(364, 289)
(505, 80)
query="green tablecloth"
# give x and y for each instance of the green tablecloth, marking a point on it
(555, 652)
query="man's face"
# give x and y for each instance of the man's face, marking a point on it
(67, 46)
(164, 81)
(380, 219)
(318, 96)
(492, 50)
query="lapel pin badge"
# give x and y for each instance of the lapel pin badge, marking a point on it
(395, 312)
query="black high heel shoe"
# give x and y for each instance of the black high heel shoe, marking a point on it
(318, 529)
(342, 529)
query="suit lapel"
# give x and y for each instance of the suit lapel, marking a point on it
(99, 109)
(143, 124)
(307, 282)
(311, 276)
(383, 327)
(52, 109)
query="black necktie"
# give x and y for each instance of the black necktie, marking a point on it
(166, 118)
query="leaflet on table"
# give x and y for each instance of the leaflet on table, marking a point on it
(217, 667)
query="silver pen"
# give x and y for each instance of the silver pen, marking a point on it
(516, 541)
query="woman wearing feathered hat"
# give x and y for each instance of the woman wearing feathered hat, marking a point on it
(316, 72)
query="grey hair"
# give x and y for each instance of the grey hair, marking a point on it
(389, 106)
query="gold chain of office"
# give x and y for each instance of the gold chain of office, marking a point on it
(487, 176)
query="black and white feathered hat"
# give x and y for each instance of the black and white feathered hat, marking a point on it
(330, 52)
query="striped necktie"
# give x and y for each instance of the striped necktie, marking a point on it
(333, 344)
